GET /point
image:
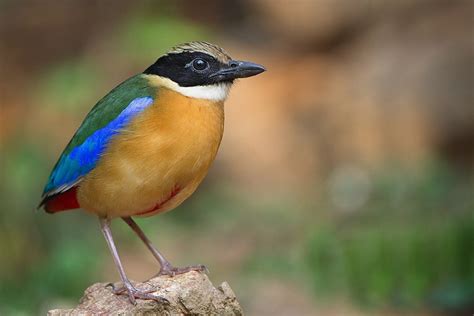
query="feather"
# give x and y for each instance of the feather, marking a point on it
(108, 117)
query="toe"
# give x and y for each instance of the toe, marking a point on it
(172, 271)
(116, 290)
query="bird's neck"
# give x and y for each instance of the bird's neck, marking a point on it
(215, 92)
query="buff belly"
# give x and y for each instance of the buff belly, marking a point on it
(156, 162)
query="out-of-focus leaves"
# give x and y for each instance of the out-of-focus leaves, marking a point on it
(144, 38)
(404, 263)
(69, 86)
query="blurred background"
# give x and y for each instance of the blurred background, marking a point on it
(345, 180)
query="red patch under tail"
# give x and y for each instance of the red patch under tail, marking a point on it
(62, 202)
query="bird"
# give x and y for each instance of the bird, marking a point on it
(146, 146)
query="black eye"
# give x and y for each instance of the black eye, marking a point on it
(200, 64)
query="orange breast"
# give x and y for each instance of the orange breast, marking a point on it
(158, 161)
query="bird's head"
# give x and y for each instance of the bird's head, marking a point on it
(201, 70)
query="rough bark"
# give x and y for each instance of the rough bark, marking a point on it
(191, 293)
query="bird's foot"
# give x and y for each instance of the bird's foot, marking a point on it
(133, 293)
(168, 269)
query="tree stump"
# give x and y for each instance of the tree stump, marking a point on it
(190, 293)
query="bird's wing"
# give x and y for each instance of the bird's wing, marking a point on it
(106, 119)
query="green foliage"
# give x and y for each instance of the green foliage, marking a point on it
(144, 38)
(69, 86)
(402, 267)
(412, 252)
(41, 257)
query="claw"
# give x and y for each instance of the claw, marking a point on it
(116, 290)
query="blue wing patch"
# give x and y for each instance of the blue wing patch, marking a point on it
(83, 158)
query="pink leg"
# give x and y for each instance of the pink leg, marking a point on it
(166, 267)
(132, 292)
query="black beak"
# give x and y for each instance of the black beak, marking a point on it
(237, 69)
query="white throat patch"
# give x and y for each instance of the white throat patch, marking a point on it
(215, 92)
